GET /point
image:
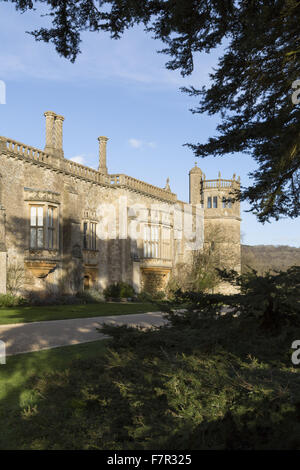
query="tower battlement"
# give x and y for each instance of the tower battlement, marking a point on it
(217, 196)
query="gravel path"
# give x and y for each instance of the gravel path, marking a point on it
(27, 337)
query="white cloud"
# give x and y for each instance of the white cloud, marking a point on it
(133, 58)
(135, 143)
(151, 145)
(79, 159)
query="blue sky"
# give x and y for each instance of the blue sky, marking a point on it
(120, 89)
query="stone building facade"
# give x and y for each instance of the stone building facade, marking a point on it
(68, 227)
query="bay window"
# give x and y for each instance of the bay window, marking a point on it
(151, 241)
(43, 227)
(157, 241)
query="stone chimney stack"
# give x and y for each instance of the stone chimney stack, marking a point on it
(102, 154)
(54, 134)
(58, 131)
(50, 116)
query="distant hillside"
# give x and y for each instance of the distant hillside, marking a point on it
(269, 257)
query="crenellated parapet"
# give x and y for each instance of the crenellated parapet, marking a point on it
(220, 183)
(219, 197)
(18, 149)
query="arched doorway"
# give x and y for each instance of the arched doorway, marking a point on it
(86, 282)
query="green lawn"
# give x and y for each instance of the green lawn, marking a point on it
(224, 384)
(16, 392)
(62, 312)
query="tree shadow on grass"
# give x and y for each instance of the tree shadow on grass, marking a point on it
(223, 385)
(17, 394)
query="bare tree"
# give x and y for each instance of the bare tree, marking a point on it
(15, 277)
(200, 274)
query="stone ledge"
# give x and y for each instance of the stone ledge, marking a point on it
(156, 263)
(224, 217)
(41, 268)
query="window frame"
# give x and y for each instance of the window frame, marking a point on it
(155, 244)
(93, 235)
(151, 241)
(166, 243)
(36, 227)
(89, 241)
(85, 235)
(51, 228)
(46, 228)
(226, 204)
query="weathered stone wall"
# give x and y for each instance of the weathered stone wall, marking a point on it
(69, 266)
(155, 279)
(3, 253)
(3, 260)
(99, 221)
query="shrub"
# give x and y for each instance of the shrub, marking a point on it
(38, 299)
(126, 290)
(272, 298)
(119, 290)
(214, 385)
(10, 300)
(112, 291)
(90, 296)
(159, 295)
(42, 299)
(144, 296)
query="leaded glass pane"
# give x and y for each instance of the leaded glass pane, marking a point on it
(50, 217)
(33, 216)
(32, 238)
(40, 237)
(50, 238)
(40, 217)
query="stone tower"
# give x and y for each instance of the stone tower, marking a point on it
(221, 215)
